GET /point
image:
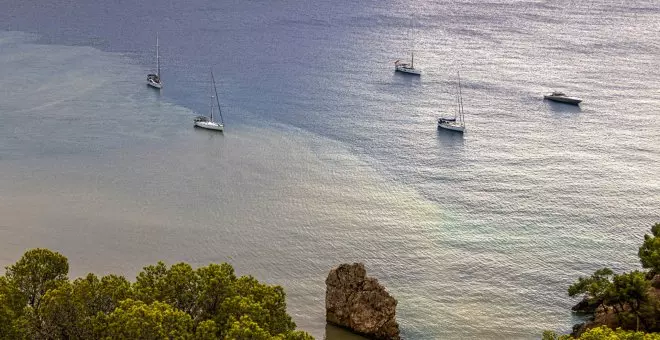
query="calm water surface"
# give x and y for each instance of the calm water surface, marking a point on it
(330, 157)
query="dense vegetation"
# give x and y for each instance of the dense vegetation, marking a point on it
(38, 301)
(605, 333)
(628, 301)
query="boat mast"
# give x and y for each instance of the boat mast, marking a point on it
(412, 53)
(157, 58)
(458, 106)
(211, 107)
(216, 99)
(460, 99)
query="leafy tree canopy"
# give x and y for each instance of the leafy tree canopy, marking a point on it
(37, 301)
(604, 333)
(36, 272)
(649, 252)
(138, 320)
(628, 297)
(595, 287)
(628, 289)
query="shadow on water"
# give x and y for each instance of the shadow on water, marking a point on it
(563, 107)
(210, 134)
(403, 78)
(338, 333)
(449, 138)
(157, 93)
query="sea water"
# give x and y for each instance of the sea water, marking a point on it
(329, 156)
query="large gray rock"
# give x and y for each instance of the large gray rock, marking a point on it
(359, 303)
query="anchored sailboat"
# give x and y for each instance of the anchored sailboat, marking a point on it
(409, 68)
(205, 122)
(404, 67)
(457, 123)
(153, 80)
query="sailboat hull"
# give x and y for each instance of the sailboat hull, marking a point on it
(563, 99)
(210, 126)
(408, 70)
(451, 126)
(154, 84)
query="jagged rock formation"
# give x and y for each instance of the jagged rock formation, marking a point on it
(359, 303)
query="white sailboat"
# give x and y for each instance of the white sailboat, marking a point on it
(409, 68)
(153, 80)
(205, 122)
(404, 67)
(457, 123)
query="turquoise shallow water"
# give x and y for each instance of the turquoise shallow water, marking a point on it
(330, 157)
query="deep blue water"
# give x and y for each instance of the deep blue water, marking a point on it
(329, 156)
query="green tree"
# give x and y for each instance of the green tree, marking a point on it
(649, 312)
(549, 335)
(93, 295)
(149, 285)
(214, 293)
(12, 303)
(37, 301)
(294, 335)
(138, 320)
(58, 316)
(272, 299)
(605, 333)
(177, 286)
(36, 272)
(236, 307)
(217, 283)
(67, 311)
(206, 330)
(199, 293)
(649, 252)
(245, 329)
(594, 288)
(627, 294)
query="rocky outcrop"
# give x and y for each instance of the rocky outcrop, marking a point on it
(586, 306)
(602, 316)
(655, 283)
(359, 303)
